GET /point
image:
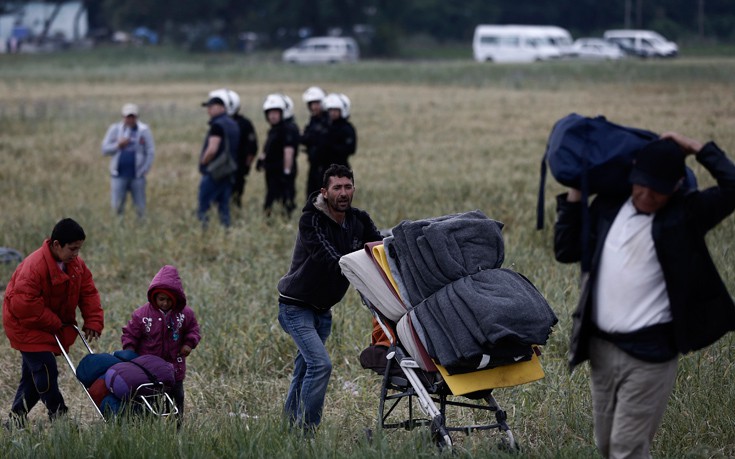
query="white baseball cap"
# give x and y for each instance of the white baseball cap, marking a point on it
(130, 109)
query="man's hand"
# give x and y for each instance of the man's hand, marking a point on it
(210, 151)
(690, 146)
(574, 195)
(90, 335)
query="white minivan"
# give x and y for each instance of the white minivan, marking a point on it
(323, 50)
(518, 43)
(642, 43)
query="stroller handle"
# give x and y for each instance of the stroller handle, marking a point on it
(73, 368)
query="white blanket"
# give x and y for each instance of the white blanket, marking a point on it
(362, 273)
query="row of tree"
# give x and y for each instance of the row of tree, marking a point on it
(384, 23)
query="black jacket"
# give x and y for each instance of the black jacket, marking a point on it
(248, 142)
(282, 135)
(341, 142)
(315, 279)
(224, 126)
(701, 307)
(315, 138)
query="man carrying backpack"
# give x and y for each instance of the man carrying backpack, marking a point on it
(652, 291)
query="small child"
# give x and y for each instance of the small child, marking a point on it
(165, 327)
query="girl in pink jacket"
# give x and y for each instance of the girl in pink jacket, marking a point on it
(165, 326)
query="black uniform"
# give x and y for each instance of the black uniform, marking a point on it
(245, 153)
(315, 139)
(280, 186)
(341, 142)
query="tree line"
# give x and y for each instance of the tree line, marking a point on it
(384, 24)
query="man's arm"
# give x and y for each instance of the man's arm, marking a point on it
(150, 149)
(288, 158)
(210, 151)
(109, 143)
(318, 243)
(90, 306)
(568, 227)
(714, 204)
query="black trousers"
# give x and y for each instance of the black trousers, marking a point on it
(39, 380)
(280, 187)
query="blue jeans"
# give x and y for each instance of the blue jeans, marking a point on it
(312, 367)
(119, 189)
(211, 191)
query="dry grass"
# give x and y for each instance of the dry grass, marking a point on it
(427, 148)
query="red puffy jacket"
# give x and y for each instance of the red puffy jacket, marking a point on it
(41, 297)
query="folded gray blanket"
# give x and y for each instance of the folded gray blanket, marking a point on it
(471, 316)
(432, 253)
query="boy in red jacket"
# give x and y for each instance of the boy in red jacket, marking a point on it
(40, 300)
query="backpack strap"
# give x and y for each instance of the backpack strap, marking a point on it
(541, 193)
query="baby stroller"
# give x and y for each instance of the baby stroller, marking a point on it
(416, 372)
(101, 379)
(404, 382)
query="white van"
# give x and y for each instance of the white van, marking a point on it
(324, 50)
(517, 43)
(642, 43)
(559, 37)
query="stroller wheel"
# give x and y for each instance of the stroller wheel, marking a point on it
(508, 443)
(440, 435)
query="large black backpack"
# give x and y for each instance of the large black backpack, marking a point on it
(590, 154)
(596, 157)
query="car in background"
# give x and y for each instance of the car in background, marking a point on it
(516, 43)
(642, 43)
(323, 50)
(595, 49)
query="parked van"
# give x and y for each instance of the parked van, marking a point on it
(323, 50)
(517, 43)
(642, 43)
(559, 37)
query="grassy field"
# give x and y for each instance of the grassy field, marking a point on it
(435, 137)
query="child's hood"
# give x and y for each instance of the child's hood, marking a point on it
(168, 278)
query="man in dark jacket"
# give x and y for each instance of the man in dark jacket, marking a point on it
(341, 137)
(652, 292)
(329, 228)
(247, 149)
(314, 138)
(223, 137)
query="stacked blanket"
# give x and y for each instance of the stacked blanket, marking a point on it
(454, 303)
(428, 254)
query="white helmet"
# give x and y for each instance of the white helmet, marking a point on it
(234, 103)
(338, 101)
(313, 94)
(288, 111)
(274, 102)
(223, 94)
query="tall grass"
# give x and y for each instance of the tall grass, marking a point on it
(434, 138)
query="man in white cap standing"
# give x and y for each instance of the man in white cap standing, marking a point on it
(130, 143)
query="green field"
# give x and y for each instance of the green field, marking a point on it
(434, 137)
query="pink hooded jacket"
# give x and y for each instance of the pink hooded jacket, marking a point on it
(151, 331)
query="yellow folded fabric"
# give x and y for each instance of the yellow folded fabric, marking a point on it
(503, 376)
(382, 259)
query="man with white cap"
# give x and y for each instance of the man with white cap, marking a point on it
(130, 143)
